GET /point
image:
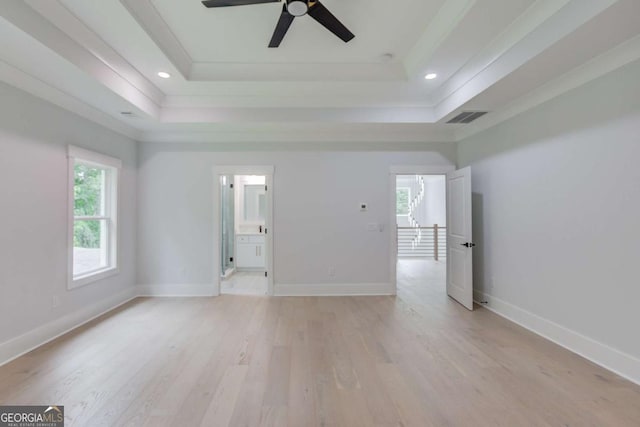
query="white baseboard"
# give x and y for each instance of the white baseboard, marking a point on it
(334, 289)
(601, 354)
(16, 347)
(177, 290)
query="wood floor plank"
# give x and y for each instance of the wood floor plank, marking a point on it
(277, 390)
(223, 403)
(249, 411)
(302, 411)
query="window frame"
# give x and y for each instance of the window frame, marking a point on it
(77, 155)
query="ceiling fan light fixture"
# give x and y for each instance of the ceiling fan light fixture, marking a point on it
(431, 76)
(297, 7)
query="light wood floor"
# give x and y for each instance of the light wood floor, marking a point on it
(418, 359)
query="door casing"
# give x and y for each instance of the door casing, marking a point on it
(268, 171)
(393, 172)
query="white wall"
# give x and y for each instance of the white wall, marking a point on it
(33, 216)
(556, 199)
(317, 221)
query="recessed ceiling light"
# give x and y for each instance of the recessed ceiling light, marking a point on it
(431, 76)
(164, 74)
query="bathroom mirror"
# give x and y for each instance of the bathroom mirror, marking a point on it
(254, 203)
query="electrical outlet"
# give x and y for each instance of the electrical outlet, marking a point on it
(55, 301)
(332, 272)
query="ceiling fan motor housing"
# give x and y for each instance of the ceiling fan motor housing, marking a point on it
(297, 7)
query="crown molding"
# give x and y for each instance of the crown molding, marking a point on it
(36, 87)
(446, 20)
(533, 17)
(157, 29)
(609, 61)
(92, 58)
(279, 133)
(550, 30)
(59, 15)
(297, 115)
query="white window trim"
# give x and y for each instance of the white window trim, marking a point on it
(77, 154)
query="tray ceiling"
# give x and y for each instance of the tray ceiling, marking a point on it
(487, 55)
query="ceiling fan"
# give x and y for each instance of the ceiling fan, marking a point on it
(290, 10)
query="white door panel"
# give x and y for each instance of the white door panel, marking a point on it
(459, 237)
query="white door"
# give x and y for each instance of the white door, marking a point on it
(460, 245)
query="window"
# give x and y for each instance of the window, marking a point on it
(403, 196)
(93, 228)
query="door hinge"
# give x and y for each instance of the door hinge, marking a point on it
(265, 188)
(230, 185)
(265, 230)
(230, 259)
(265, 274)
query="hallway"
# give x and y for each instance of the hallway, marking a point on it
(422, 279)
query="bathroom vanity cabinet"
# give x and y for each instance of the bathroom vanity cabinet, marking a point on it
(250, 251)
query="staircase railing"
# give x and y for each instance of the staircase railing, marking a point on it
(426, 242)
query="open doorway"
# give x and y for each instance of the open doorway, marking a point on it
(243, 224)
(242, 221)
(421, 234)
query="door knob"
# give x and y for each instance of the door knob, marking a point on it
(468, 244)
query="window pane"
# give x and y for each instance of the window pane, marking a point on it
(90, 251)
(89, 190)
(402, 201)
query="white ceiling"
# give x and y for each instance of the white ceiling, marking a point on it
(241, 34)
(101, 58)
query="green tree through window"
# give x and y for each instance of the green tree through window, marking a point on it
(402, 201)
(88, 194)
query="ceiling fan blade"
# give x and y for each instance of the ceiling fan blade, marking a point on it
(281, 29)
(225, 3)
(321, 14)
